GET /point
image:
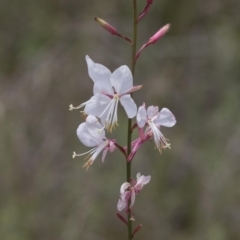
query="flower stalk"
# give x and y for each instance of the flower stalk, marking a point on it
(129, 138)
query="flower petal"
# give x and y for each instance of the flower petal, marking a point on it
(143, 180)
(100, 75)
(165, 118)
(122, 202)
(129, 105)
(152, 111)
(97, 104)
(141, 116)
(132, 198)
(124, 187)
(86, 137)
(122, 79)
(138, 176)
(93, 120)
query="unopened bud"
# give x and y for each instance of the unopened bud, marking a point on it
(106, 25)
(136, 229)
(160, 33)
(111, 29)
(122, 218)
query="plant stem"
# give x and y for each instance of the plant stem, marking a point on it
(129, 138)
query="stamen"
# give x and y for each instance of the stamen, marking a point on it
(111, 119)
(71, 107)
(88, 164)
(160, 141)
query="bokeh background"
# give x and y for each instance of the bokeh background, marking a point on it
(194, 71)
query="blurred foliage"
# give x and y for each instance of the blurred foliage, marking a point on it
(194, 71)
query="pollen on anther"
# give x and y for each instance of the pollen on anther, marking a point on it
(71, 107)
(87, 164)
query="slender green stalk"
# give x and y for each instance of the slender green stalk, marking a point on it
(129, 138)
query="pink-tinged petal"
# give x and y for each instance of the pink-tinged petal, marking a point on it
(133, 196)
(112, 146)
(141, 116)
(124, 187)
(165, 118)
(129, 105)
(122, 202)
(97, 104)
(100, 75)
(143, 180)
(152, 111)
(122, 80)
(86, 137)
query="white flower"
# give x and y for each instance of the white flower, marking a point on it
(154, 119)
(109, 89)
(91, 134)
(128, 191)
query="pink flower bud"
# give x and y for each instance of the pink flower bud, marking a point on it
(110, 29)
(122, 218)
(145, 10)
(160, 33)
(136, 229)
(106, 25)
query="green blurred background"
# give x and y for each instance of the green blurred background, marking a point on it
(194, 71)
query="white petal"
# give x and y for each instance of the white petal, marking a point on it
(100, 75)
(97, 104)
(165, 118)
(141, 116)
(152, 111)
(129, 105)
(138, 176)
(92, 120)
(124, 187)
(122, 80)
(96, 90)
(86, 137)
